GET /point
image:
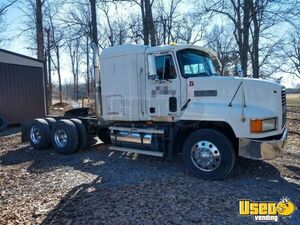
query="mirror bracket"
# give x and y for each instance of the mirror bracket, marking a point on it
(153, 77)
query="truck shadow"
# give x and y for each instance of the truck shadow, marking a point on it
(100, 161)
(99, 201)
(121, 172)
(97, 159)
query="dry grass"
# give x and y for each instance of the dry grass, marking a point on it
(293, 100)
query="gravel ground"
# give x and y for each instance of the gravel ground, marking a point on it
(98, 186)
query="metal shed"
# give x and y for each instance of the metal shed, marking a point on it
(22, 87)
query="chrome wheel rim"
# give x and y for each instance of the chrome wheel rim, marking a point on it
(205, 156)
(61, 138)
(35, 134)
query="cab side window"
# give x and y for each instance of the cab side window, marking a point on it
(165, 68)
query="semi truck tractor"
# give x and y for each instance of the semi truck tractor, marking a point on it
(168, 100)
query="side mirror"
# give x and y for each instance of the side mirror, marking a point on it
(152, 74)
(151, 65)
(239, 70)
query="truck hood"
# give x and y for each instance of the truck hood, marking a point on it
(217, 89)
(263, 99)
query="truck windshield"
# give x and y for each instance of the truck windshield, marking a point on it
(194, 63)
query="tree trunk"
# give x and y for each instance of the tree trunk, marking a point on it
(49, 68)
(59, 75)
(77, 75)
(87, 68)
(149, 22)
(145, 27)
(255, 55)
(255, 44)
(39, 30)
(94, 22)
(245, 32)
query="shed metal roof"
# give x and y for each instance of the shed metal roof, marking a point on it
(19, 59)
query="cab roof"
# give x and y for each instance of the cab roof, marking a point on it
(128, 49)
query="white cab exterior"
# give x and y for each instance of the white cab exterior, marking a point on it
(128, 94)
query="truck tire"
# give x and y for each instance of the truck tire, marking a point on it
(82, 132)
(208, 154)
(51, 121)
(3, 123)
(65, 137)
(39, 134)
(104, 136)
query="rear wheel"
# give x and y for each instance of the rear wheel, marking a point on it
(39, 134)
(51, 121)
(209, 154)
(82, 132)
(65, 137)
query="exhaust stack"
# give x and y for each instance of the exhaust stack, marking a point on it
(96, 62)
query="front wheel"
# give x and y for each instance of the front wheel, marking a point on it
(208, 154)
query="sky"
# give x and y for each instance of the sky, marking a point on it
(15, 19)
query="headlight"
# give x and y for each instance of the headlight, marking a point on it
(258, 126)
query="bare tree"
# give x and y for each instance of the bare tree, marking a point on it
(75, 56)
(39, 29)
(116, 30)
(56, 42)
(189, 29)
(94, 21)
(147, 19)
(4, 6)
(265, 15)
(116, 26)
(77, 20)
(252, 20)
(88, 89)
(48, 56)
(135, 29)
(221, 40)
(34, 10)
(238, 12)
(167, 14)
(291, 54)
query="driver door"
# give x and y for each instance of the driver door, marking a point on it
(163, 88)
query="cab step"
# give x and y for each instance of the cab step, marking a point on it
(139, 151)
(137, 130)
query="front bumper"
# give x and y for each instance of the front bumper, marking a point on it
(262, 149)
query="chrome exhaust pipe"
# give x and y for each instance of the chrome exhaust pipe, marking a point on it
(96, 62)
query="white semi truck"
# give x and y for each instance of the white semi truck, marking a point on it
(165, 100)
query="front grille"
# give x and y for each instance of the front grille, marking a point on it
(283, 100)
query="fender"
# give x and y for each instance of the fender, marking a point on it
(199, 110)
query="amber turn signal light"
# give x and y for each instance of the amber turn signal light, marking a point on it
(256, 126)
